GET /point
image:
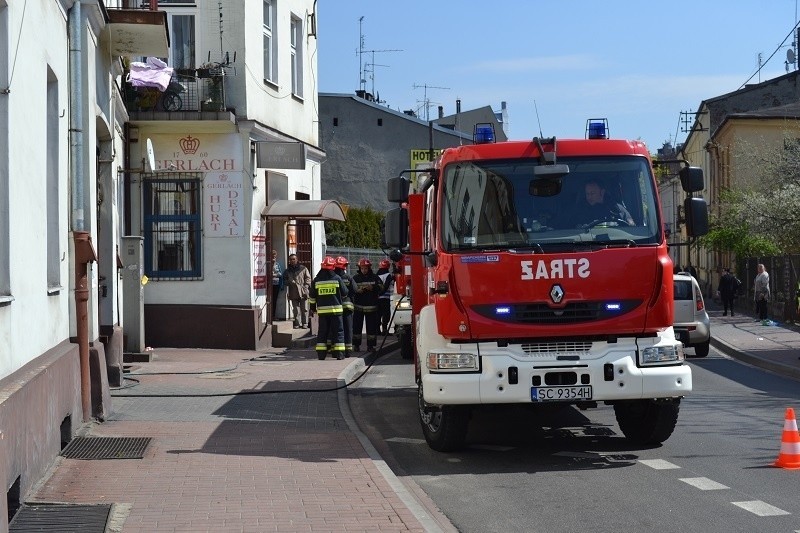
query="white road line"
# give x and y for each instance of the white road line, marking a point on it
(760, 508)
(406, 441)
(658, 464)
(703, 483)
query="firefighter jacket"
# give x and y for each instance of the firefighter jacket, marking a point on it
(368, 288)
(347, 301)
(327, 292)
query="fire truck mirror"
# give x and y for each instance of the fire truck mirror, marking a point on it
(432, 259)
(397, 189)
(396, 228)
(544, 186)
(692, 179)
(396, 255)
(696, 211)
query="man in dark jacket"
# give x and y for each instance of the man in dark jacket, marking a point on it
(327, 291)
(365, 302)
(728, 285)
(347, 303)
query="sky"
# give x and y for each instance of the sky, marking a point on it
(556, 64)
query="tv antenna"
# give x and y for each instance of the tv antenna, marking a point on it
(362, 68)
(425, 101)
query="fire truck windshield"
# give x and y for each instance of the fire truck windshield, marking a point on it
(501, 204)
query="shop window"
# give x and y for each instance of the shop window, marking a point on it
(172, 238)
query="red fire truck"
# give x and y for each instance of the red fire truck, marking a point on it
(525, 291)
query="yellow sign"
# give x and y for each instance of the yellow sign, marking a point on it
(421, 159)
(145, 279)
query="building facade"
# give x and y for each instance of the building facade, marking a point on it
(226, 171)
(61, 143)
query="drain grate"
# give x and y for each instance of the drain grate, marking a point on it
(60, 518)
(106, 448)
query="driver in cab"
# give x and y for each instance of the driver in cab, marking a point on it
(599, 208)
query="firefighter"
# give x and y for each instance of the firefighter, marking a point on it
(384, 300)
(327, 292)
(365, 302)
(347, 303)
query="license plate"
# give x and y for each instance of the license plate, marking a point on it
(561, 394)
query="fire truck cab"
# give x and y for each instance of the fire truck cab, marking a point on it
(539, 273)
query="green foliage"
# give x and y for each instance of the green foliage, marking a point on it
(361, 229)
(738, 240)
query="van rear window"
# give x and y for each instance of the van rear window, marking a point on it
(683, 290)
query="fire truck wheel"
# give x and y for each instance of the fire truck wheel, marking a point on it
(444, 426)
(406, 349)
(647, 421)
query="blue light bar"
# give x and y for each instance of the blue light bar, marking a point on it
(483, 133)
(597, 128)
(613, 307)
(505, 310)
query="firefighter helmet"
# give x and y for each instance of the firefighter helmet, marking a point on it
(329, 263)
(364, 262)
(342, 262)
(384, 264)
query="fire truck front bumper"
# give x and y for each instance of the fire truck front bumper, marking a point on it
(510, 375)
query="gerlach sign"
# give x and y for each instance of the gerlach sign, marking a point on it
(281, 155)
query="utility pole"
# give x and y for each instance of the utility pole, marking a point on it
(425, 100)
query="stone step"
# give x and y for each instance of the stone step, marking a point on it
(285, 336)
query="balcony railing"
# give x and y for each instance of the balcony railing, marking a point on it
(194, 90)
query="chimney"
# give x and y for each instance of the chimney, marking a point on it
(441, 111)
(458, 105)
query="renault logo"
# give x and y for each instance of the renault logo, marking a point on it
(556, 293)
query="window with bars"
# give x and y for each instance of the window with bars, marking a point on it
(172, 224)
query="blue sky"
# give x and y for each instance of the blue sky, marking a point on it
(636, 63)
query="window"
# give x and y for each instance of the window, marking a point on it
(296, 46)
(52, 193)
(172, 227)
(268, 29)
(182, 41)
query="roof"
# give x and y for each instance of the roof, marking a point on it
(305, 210)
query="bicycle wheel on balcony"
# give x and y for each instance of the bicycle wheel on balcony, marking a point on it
(171, 101)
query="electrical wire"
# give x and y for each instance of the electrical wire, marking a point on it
(771, 55)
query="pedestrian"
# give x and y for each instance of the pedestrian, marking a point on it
(297, 279)
(327, 292)
(384, 300)
(761, 291)
(691, 270)
(277, 282)
(365, 304)
(347, 303)
(728, 285)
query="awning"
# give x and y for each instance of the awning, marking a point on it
(305, 209)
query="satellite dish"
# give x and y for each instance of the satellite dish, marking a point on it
(790, 56)
(150, 162)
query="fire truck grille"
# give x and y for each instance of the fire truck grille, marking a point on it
(543, 314)
(557, 348)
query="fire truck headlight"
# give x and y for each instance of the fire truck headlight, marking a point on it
(453, 362)
(659, 355)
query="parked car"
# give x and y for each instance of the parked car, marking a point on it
(691, 323)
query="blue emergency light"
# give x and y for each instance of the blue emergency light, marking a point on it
(597, 128)
(483, 133)
(503, 310)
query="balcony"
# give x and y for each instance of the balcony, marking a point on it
(193, 94)
(137, 29)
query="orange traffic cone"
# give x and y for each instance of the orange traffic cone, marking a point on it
(790, 443)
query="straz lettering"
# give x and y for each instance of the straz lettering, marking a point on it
(326, 290)
(555, 269)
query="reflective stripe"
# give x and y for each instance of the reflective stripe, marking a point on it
(329, 309)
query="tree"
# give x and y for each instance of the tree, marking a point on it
(360, 230)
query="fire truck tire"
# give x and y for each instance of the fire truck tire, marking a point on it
(701, 350)
(444, 426)
(647, 421)
(406, 348)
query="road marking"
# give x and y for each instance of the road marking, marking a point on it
(406, 441)
(703, 483)
(658, 464)
(760, 508)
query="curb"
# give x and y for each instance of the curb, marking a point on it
(415, 507)
(789, 371)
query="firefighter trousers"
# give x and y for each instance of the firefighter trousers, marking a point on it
(330, 334)
(371, 318)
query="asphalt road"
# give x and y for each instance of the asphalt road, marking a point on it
(568, 470)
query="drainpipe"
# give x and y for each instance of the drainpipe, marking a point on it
(83, 249)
